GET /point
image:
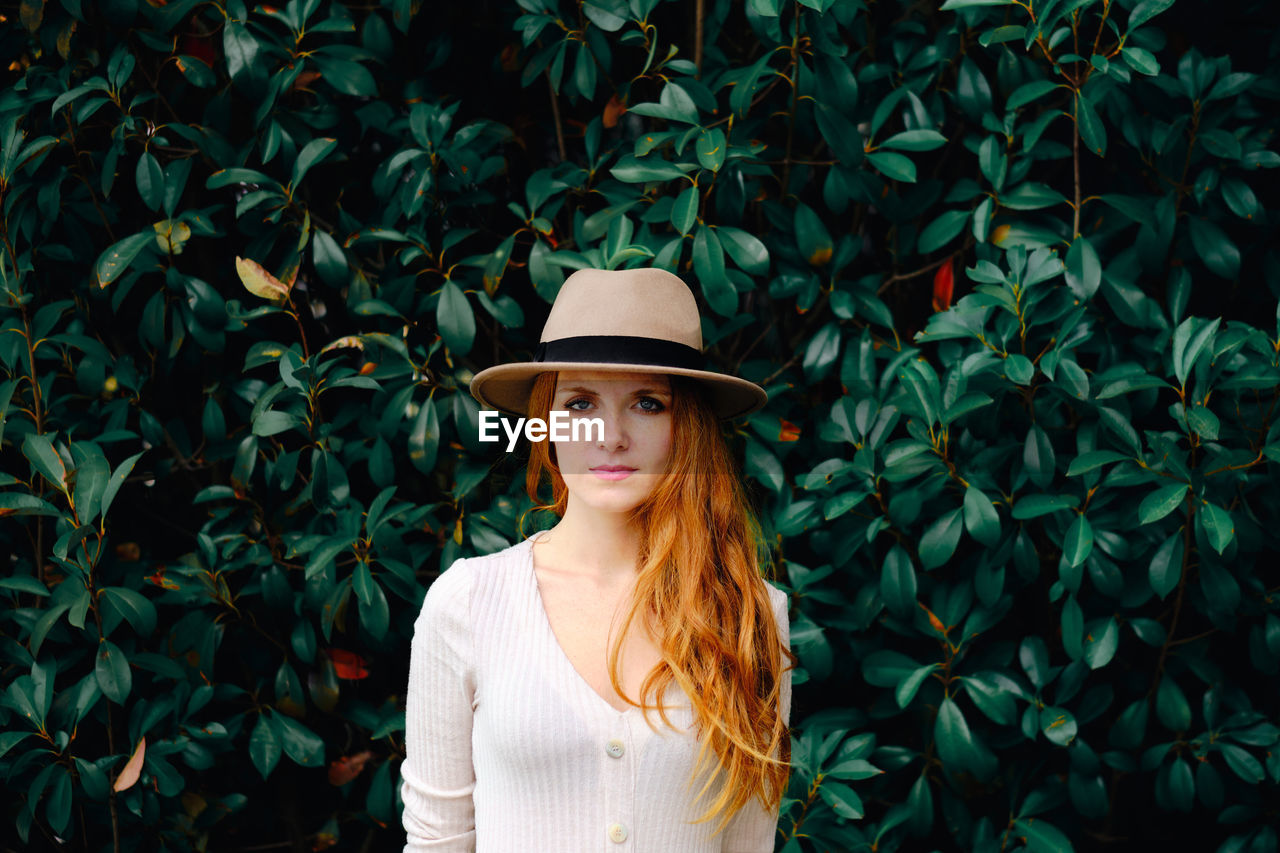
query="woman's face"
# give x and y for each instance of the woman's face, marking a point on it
(616, 473)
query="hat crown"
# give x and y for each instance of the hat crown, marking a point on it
(643, 303)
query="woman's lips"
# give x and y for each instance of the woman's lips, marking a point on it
(612, 472)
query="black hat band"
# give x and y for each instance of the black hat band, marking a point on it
(620, 349)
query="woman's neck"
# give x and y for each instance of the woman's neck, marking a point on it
(602, 544)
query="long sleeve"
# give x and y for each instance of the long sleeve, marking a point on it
(753, 829)
(437, 775)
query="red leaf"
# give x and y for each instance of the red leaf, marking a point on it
(133, 769)
(787, 431)
(943, 283)
(348, 665)
(348, 767)
(613, 111)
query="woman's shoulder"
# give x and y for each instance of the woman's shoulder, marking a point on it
(465, 574)
(778, 599)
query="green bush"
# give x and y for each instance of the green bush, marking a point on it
(252, 257)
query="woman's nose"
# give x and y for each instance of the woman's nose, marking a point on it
(615, 435)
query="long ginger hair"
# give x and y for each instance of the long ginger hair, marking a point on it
(700, 593)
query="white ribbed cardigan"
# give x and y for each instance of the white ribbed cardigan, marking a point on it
(509, 750)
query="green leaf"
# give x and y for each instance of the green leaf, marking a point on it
(1038, 456)
(1217, 525)
(1092, 459)
(117, 257)
(312, 153)
(150, 180)
(942, 230)
(1092, 132)
(1214, 247)
(111, 668)
(1161, 502)
(135, 607)
(821, 352)
(632, 170)
(812, 237)
(991, 698)
(117, 480)
(350, 78)
(424, 438)
(910, 685)
(240, 48)
(1101, 644)
(1058, 725)
(38, 448)
(1171, 705)
(299, 742)
(708, 264)
(893, 166)
(712, 148)
(898, 583)
(455, 319)
(939, 542)
(1242, 763)
(1084, 269)
(886, 667)
(951, 733)
(1031, 195)
(264, 746)
(1166, 565)
(272, 422)
(915, 140)
(1078, 542)
(746, 250)
(853, 769)
(1239, 197)
(1140, 60)
(1119, 426)
(684, 212)
(980, 517)
(842, 799)
(1145, 11)
(1042, 837)
(1028, 92)
(1034, 506)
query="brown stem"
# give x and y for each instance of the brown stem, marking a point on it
(1177, 603)
(795, 100)
(699, 16)
(1075, 166)
(928, 268)
(555, 115)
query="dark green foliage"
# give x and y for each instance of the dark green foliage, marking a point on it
(252, 257)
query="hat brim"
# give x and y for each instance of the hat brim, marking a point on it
(507, 386)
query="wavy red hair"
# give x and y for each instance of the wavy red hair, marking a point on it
(700, 590)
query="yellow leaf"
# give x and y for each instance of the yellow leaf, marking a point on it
(259, 282)
(172, 236)
(129, 775)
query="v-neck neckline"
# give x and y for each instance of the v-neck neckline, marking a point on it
(555, 641)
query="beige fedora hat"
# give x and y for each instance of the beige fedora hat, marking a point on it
(622, 321)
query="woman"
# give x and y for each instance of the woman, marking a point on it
(536, 673)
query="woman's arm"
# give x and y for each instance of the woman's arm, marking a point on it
(752, 829)
(437, 777)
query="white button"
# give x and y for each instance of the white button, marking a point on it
(618, 833)
(615, 748)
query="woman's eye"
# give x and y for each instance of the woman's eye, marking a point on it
(649, 404)
(573, 404)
